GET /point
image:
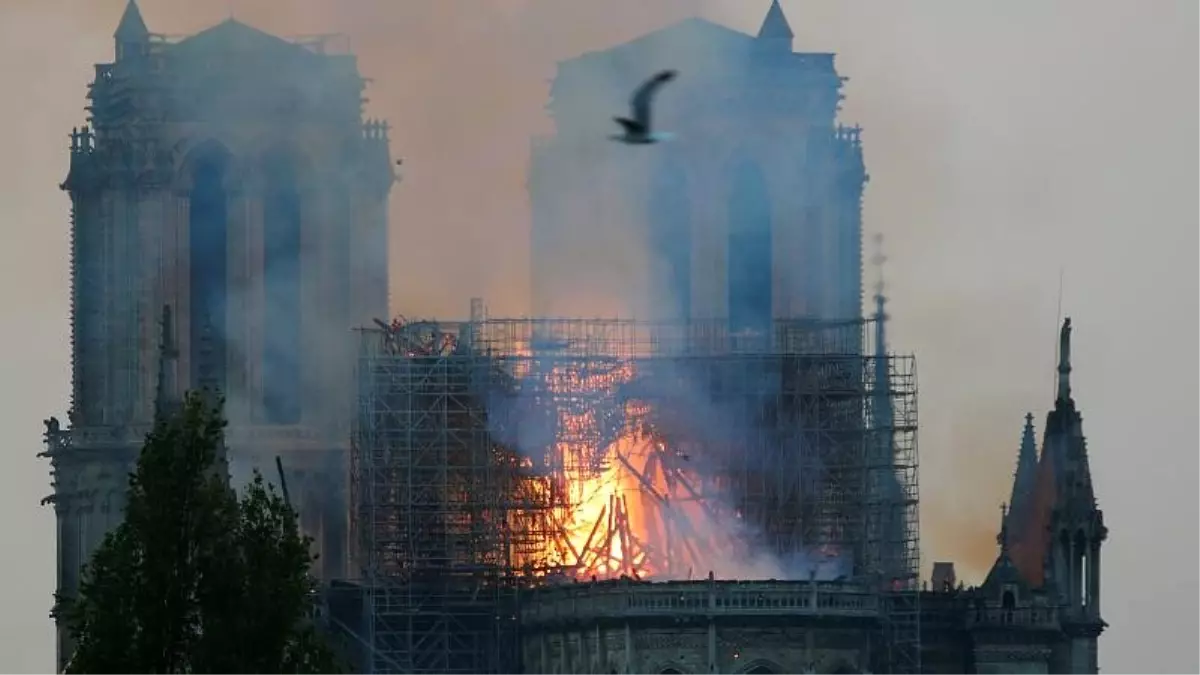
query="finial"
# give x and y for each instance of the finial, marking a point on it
(1002, 539)
(1064, 361)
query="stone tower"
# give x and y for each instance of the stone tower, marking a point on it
(1057, 528)
(230, 176)
(753, 215)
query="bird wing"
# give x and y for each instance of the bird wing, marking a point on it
(642, 97)
(630, 127)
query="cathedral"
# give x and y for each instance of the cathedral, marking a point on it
(229, 227)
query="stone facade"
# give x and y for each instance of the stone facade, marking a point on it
(755, 214)
(699, 627)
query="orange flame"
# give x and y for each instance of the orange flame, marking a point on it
(631, 508)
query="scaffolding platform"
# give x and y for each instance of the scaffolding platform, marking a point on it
(491, 455)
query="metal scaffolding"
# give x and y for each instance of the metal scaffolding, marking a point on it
(492, 454)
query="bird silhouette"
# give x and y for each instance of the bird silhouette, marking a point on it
(637, 128)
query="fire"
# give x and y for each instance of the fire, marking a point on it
(630, 507)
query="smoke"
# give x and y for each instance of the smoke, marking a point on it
(664, 436)
(610, 241)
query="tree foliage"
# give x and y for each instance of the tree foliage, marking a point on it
(196, 580)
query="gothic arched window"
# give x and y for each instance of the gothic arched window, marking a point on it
(1008, 600)
(749, 251)
(282, 321)
(671, 240)
(208, 231)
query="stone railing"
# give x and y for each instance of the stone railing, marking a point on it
(1024, 617)
(620, 600)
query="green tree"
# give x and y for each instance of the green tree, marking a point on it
(195, 579)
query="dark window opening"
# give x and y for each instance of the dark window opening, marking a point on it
(760, 670)
(207, 239)
(341, 257)
(749, 253)
(1008, 601)
(671, 241)
(281, 282)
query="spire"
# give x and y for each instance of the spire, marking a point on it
(132, 27)
(775, 27)
(880, 315)
(1025, 477)
(1064, 361)
(883, 399)
(132, 37)
(1004, 572)
(1002, 539)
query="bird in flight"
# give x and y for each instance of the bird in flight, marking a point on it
(637, 129)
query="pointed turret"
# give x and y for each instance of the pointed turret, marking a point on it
(1064, 443)
(132, 37)
(1024, 480)
(1072, 523)
(1004, 574)
(775, 29)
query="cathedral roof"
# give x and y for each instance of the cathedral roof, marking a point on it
(693, 39)
(232, 35)
(132, 27)
(1004, 572)
(680, 42)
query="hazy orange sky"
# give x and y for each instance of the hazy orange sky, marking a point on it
(1006, 141)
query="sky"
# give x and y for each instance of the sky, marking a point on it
(1010, 145)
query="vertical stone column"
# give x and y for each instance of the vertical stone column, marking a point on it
(152, 222)
(785, 184)
(544, 660)
(105, 343)
(1077, 552)
(564, 656)
(598, 661)
(69, 562)
(712, 646)
(1094, 580)
(630, 659)
(710, 240)
(312, 322)
(237, 310)
(369, 295)
(122, 299)
(255, 303)
(176, 279)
